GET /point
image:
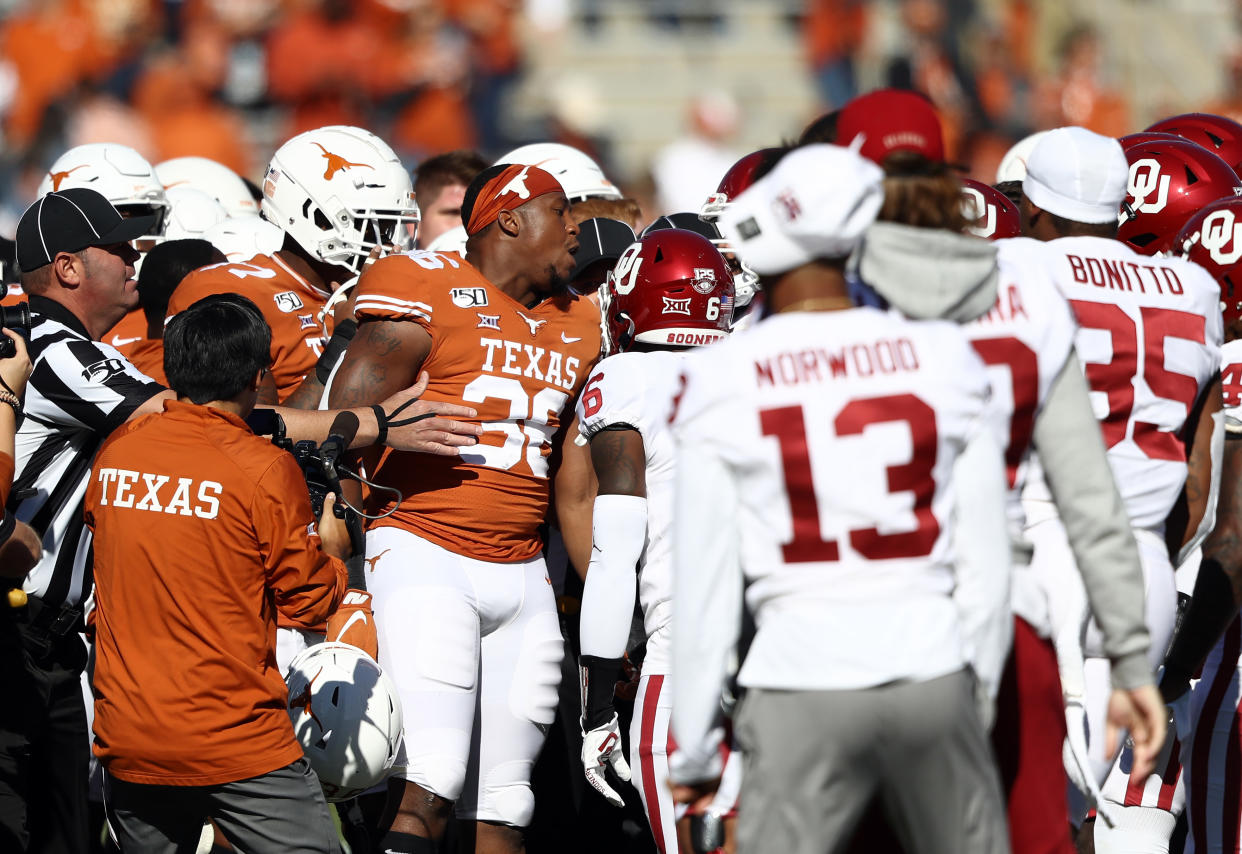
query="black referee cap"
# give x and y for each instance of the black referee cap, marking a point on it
(69, 221)
(600, 239)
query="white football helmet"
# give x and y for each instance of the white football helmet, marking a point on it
(215, 179)
(121, 175)
(241, 238)
(1013, 164)
(346, 715)
(192, 213)
(340, 192)
(580, 176)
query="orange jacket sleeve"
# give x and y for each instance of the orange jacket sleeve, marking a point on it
(307, 583)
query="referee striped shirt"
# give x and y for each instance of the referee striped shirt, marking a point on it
(79, 392)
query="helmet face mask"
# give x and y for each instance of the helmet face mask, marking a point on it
(671, 288)
(341, 193)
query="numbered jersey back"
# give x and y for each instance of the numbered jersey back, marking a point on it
(843, 428)
(1149, 340)
(1231, 385)
(1025, 341)
(638, 389)
(519, 367)
(289, 303)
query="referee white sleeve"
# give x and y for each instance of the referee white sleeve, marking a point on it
(707, 608)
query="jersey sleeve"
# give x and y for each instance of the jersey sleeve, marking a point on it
(400, 287)
(87, 384)
(612, 396)
(307, 583)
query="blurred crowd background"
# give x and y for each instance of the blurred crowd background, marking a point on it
(666, 94)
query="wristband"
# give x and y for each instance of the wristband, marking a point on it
(381, 424)
(12, 400)
(599, 678)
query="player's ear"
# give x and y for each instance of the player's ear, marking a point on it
(509, 222)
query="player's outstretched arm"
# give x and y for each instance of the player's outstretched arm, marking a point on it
(573, 491)
(1218, 588)
(1192, 516)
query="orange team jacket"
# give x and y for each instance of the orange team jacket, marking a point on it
(521, 368)
(203, 532)
(290, 304)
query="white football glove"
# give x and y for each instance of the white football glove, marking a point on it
(601, 747)
(1078, 763)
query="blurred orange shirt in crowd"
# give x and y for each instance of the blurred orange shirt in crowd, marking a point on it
(833, 28)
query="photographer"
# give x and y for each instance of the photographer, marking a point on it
(203, 533)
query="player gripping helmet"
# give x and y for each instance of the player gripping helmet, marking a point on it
(339, 192)
(580, 176)
(121, 175)
(672, 288)
(1217, 134)
(989, 211)
(1170, 181)
(215, 179)
(1213, 240)
(346, 715)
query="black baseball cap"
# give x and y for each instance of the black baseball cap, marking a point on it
(685, 220)
(69, 221)
(600, 239)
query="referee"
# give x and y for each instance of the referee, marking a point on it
(78, 268)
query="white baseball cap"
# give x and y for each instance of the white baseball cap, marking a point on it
(816, 203)
(1074, 173)
(1013, 164)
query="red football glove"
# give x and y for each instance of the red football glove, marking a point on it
(354, 623)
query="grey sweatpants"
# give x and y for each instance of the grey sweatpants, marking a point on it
(281, 811)
(814, 759)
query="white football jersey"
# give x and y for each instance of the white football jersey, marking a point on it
(638, 389)
(1025, 341)
(1149, 340)
(842, 429)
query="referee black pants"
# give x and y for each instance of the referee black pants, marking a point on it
(44, 746)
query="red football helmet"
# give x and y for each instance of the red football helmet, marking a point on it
(1213, 240)
(739, 177)
(1170, 181)
(1217, 134)
(990, 212)
(672, 288)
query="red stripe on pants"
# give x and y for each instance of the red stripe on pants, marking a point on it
(1202, 748)
(645, 743)
(1172, 773)
(1030, 726)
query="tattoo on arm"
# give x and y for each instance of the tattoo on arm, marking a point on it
(620, 462)
(383, 358)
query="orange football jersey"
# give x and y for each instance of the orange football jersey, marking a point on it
(521, 368)
(125, 336)
(289, 303)
(148, 357)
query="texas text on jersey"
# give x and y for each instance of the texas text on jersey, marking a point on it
(519, 367)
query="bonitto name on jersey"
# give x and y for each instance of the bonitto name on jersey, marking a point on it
(527, 360)
(820, 363)
(1124, 275)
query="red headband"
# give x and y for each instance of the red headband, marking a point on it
(513, 187)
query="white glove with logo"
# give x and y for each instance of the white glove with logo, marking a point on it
(1077, 762)
(601, 747)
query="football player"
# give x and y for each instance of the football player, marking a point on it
(845, 446)
(1210, 628)
(468, 625)
(670, 291)
(1149, 339)
(340, 194)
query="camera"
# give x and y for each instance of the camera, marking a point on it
(17, 318)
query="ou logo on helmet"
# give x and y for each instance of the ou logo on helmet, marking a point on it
(1219, 230)
(1145, 179)
(624, 276)
(979, 213)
